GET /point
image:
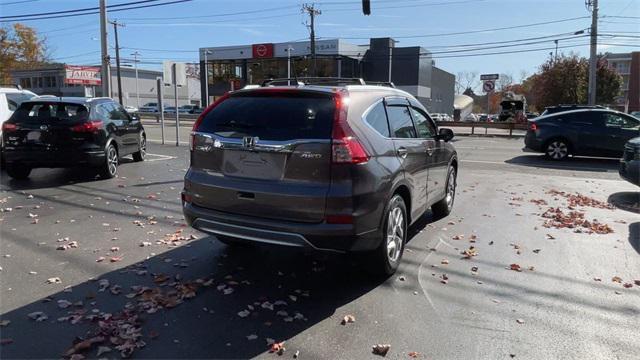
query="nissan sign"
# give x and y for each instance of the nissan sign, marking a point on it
(262, 51)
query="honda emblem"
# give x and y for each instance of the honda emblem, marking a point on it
(249, 142)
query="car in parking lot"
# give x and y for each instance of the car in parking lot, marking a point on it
(332, 167)
(149, 107)
(190, 109)
(71, 132)
(10, 98)
(588, 132)
(630, 162)
(131, 109)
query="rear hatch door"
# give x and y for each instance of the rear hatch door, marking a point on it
(265, 153)
(47, 125)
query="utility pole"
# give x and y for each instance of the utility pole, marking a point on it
(206, 78)
(289, 48)
(115, 33)
(312, 11)
(105, 73)
(593, 58)
(135, 64)
(555, 59)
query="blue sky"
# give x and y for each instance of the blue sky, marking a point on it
(177, 31)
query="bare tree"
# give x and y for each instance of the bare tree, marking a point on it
(467, 80)
(504, 81)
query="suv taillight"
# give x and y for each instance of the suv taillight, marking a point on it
(90, 126)
(345, 146)
(533, 126)
(8, 127)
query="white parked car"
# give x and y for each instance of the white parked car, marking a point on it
(149, 107)
(131, 109)
(10, 99)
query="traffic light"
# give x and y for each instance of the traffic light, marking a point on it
(366, 7)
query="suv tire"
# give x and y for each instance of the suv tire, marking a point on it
(557, 149)
(110, 167)
(443, 207)
(18, 172)
(387, 256)
(142, 148)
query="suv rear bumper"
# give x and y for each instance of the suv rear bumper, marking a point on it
(53, 159)
(320, 236)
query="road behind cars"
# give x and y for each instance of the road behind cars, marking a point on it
(557, 309)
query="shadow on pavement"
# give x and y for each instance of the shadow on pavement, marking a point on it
(626, 200)
(573, 163)
(207, 324)
(634, 236)
(42, 178)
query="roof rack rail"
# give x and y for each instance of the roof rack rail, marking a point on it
(382, 83)
(12, 85)
(335, 81)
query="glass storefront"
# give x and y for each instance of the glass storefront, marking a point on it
(254, 71)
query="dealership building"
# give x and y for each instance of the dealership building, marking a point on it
(410, 68)
(137, 89)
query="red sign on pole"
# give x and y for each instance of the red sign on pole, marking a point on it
(82, 75)
(262, 51)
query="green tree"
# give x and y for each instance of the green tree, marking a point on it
(20, 48)
(566, 81)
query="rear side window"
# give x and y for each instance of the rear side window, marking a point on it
(50, 113)
(377, 118)
(400, 122)
(272, 117)
(15, 99)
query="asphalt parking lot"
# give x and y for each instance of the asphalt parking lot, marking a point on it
(523, 291)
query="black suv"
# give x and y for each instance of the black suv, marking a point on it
(48, 132)
(344, 168)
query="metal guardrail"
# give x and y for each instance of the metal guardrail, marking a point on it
(484, 125)
(167, 117)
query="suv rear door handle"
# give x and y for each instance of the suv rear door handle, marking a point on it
(402, 152)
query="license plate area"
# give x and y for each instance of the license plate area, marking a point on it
(254, 165)
(34, 136)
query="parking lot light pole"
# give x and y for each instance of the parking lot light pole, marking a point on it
(135, 64)
(289, 48)
(206, 78)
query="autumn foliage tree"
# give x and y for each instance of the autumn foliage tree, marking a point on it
(20, 48)
(565, 81)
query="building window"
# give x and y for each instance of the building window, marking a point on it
(25, 83)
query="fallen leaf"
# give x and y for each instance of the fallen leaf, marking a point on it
(381, 349)
(536, 250)
(244, 313)
(627, 285)
(597, 279)
(458, 237)
(252, 337)
(348, 319)
(515, 267)
(277, 347)
(37, 316)
(444, 262)
(520, 321)
(414, 354)
(637, 282)
(550, 237)
(54, 280)
(115, 258)
(617, 279)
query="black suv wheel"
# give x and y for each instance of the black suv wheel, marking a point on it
(18, 172)
(557, 149)
(142, 148)
(110, 167)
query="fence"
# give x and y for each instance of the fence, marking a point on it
(484, 125)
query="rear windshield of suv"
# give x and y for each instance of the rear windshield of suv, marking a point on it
(272, 117)
(49, 113)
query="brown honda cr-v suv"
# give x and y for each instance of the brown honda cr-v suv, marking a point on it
(343, 168)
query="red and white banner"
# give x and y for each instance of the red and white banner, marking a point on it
(82, 75)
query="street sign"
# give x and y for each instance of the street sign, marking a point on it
(488, 86)
(489, 77)
(181, 74)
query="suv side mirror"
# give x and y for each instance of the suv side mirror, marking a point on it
(445, 134)
(134, 117)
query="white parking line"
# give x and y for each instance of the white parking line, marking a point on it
(160, 157)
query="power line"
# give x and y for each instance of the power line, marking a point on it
(212, 22)
(74, 10)
(18, 2)
(217, 15)
(478, 31)
(95, 12)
